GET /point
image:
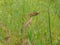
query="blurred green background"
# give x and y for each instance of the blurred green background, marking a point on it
(44, 28)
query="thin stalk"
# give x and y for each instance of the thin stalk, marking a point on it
(49, 23)
(21, 30)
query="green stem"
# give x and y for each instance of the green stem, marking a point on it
(49, 24)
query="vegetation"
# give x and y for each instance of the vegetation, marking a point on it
(44, 28)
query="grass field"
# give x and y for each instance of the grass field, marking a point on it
(44, 28)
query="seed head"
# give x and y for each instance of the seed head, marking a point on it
(33, 14)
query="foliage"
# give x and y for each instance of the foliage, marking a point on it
(43, 29)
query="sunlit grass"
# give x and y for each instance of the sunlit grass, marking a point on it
(13, 15)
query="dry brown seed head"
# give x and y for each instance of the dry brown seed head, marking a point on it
(33, 14)
(6, 38)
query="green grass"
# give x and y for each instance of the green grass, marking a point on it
(44, 28)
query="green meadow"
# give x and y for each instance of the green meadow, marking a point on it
(44, 28)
